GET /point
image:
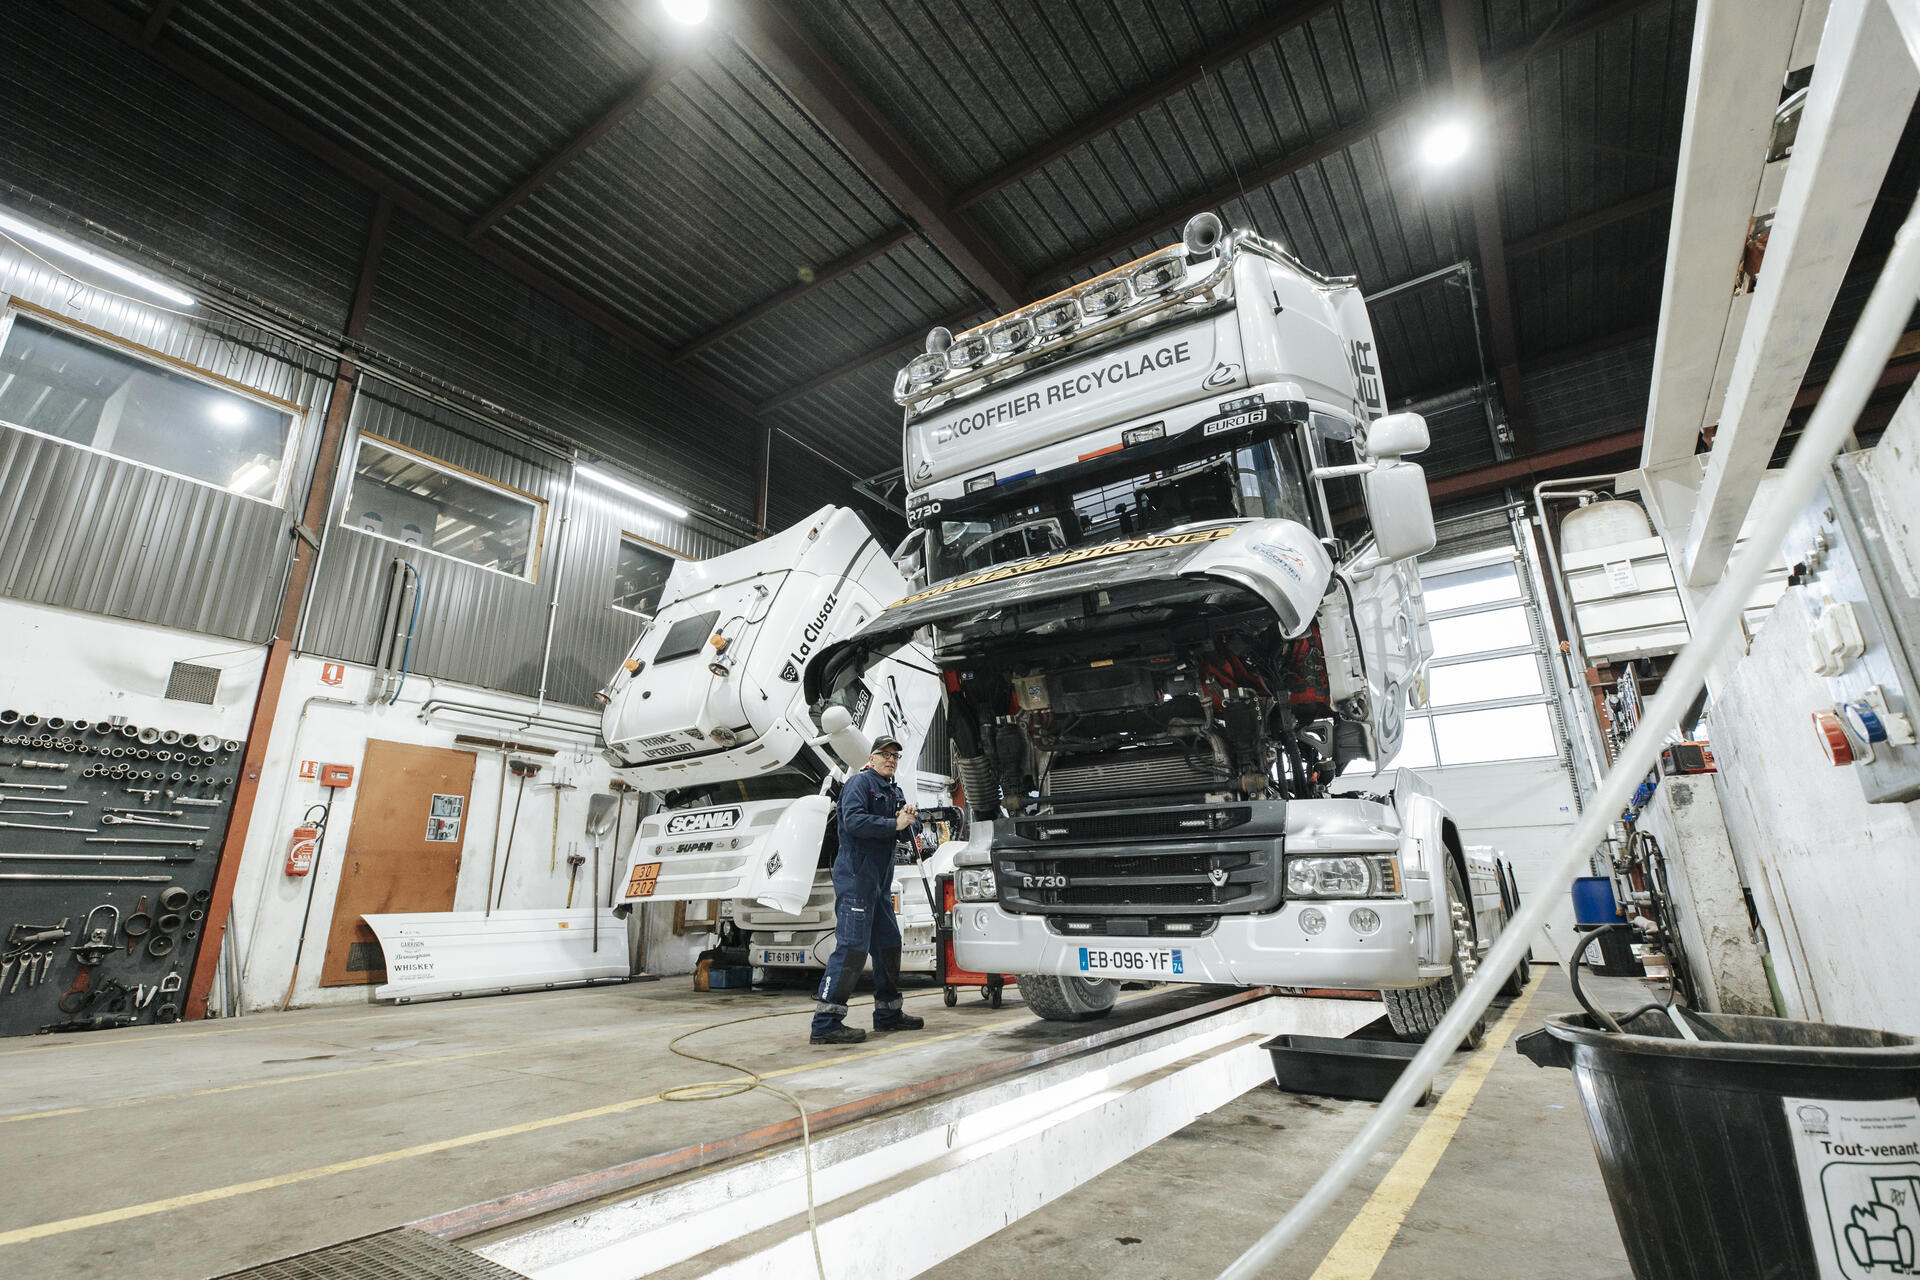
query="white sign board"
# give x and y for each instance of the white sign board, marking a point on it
(437, 954)
(1860, 1179)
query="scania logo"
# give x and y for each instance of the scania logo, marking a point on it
(705, 820)
(1219, 877)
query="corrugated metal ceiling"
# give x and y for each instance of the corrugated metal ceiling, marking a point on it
(719, 192)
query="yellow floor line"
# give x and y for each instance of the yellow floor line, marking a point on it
(62, 1226)
(1356, 1255)
(327, 1075)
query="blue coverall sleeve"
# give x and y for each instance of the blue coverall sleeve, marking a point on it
(857, 818)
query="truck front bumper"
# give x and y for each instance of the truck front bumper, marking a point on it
(810, 949)
(1270, 949)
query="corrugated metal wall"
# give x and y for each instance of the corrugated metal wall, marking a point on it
(476, 625)
(80, 530)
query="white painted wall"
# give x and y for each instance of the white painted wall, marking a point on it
(268, 903)
(1524, 810)
(1837, 880)
(80, 666)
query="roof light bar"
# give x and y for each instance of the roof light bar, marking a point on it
(80, 253)
(673, 509)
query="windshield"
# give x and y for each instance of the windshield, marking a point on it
(1259, 480)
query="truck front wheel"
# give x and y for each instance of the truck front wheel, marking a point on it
(1068, 999)
(1416, 1012)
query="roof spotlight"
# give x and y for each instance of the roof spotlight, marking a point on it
(1445, 143)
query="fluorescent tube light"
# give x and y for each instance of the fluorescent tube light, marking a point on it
(61, 245)
(613, 482)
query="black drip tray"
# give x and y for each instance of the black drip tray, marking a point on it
(1361, 1070)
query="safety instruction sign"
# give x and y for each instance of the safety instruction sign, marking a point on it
(443, 819)
(1860, 1178)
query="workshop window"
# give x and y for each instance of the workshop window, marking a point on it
(1489, 696)
(143, 408)
(639, 576)
(417, 501)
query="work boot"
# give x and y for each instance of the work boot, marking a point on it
(900, 1022)
(840, 1035)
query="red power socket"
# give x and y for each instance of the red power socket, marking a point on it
(336, 775)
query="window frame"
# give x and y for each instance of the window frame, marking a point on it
(651, 545)
(1524, 601)
(535, 552)
(17, 307)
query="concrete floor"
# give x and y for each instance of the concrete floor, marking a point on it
(191, 1150)
(1517, 1193)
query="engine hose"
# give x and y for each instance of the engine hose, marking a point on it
(982, 780)
(1853, 380)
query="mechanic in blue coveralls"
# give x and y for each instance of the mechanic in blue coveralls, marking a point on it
(873, 814)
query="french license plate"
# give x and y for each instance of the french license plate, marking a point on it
(776, 956)
(1127, 962)
(643, 880)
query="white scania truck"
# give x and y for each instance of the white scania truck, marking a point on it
(707, 714)
(1164, 543)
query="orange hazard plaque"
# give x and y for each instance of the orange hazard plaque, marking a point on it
(643, 880)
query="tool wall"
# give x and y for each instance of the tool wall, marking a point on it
(109, 836)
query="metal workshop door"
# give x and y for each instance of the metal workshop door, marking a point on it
(403, 850)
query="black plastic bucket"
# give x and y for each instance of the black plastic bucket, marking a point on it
(1702, 1152)
(1362, 1070)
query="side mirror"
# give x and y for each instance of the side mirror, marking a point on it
(1397, 435)
(1401, 511)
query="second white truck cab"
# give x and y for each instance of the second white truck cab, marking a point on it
(707, 716)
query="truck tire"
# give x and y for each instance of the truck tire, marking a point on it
(1416, 1012)
(1068, 999)
(1523, 972)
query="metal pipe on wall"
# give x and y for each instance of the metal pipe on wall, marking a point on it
(559, 576)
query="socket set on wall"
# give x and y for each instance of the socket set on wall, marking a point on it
(109, 836)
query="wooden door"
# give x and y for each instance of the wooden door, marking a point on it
(403, 849)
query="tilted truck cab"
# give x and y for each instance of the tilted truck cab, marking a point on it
(707, 715)
(1165, 555)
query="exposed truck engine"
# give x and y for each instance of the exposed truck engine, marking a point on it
(1164, 544)
(706, 715)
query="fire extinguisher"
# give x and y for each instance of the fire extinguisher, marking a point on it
(306, 843)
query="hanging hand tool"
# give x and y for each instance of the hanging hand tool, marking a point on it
(146, 794)
(119, 820)
(522, 769)
(99, 941)
(602, 813)
(33, 786)
(137, 925)
(36, 877)
(190, 800)
(41, 826)
(620, 790)
(95, 857)
(41, 764)
(185, 844)
(558, 785)
(574, 863)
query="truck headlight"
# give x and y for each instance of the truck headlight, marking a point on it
(1351, 876)
(975, 884)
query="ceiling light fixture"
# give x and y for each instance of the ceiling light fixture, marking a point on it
(688, 13)
(61, 245)
(1445, 143)
(614, 482)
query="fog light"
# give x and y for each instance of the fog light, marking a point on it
(980, 921)
(1365, 920)
(1313, 921)
(967, 350)
(1103, 297)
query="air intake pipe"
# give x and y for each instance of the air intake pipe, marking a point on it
(973, 759)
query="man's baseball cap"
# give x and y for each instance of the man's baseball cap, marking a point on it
(884, 743)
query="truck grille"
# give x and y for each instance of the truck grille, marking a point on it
(1177, 880)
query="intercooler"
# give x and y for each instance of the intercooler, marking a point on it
(1136, 771)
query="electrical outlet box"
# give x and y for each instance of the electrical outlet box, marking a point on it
(1844, 573)
(336, 775)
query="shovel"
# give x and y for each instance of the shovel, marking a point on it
(602, 812)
